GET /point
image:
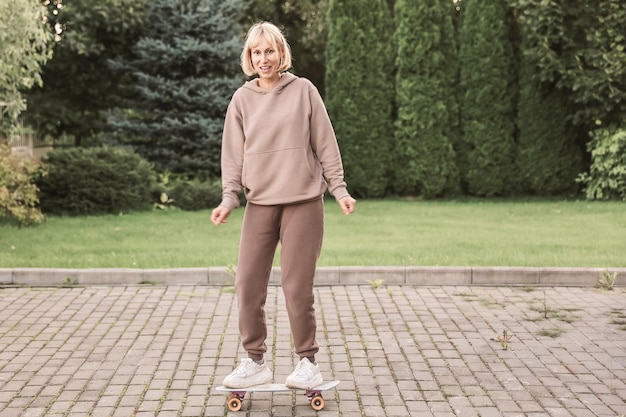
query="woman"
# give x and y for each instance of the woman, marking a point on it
(279, 145)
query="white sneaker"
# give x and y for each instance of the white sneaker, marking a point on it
(248, 374)
(306, 375)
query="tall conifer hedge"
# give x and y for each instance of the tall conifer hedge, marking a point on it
(488, 84)
(360, 90)
(425, 95)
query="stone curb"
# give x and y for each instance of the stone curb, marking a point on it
(343, 275)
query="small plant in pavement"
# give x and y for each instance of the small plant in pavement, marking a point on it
(606, 280)
(376, 284)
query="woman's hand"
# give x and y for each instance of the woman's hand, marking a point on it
(220, 215)
(347, 205)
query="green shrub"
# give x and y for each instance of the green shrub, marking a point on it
(606, 179)
(18, 189)
(85, 181)
(194, 195)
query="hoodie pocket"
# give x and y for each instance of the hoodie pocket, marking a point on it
(278, 174)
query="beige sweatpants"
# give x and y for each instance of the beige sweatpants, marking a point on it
(299, 228)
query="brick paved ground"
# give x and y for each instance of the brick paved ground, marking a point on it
(149, 351)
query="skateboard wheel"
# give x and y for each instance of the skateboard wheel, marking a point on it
(317, 403)
(234, 402)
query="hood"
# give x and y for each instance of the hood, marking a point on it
(285, 79)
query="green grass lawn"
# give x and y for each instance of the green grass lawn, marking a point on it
(379, 233)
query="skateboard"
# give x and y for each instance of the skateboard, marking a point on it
(314, 395)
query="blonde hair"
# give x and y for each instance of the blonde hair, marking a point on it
(274, 36)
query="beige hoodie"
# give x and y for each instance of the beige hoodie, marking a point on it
(279, 145)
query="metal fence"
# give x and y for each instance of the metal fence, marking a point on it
(22, 139)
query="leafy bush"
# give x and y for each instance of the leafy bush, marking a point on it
(83, 181)
(195, 195)
(606, 179)
(18, 189)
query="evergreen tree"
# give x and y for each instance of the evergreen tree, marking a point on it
(548, 158)
(360, 90)
(185, 69)
(487, 105)
(425, 95)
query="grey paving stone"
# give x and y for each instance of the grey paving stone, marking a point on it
(399, 350)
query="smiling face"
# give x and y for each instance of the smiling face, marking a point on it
(265, 59)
